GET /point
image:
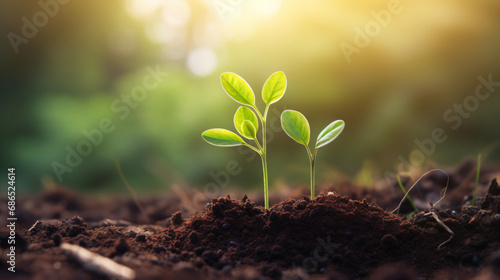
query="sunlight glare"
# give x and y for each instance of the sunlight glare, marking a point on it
(202, 61)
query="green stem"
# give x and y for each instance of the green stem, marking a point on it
(406, 194)
(266, 189)
(474, 197)
(312, 168)
(263, 154)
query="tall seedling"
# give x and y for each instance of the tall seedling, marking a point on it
(245, 120)
(297, 127)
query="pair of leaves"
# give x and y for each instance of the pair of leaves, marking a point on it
(238, 89)
(245, 120)
(297, 127)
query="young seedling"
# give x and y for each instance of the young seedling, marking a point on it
(297, 127)
(406, 194)
(474, 197)
(245, 120)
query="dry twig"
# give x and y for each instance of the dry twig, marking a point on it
(98, 263)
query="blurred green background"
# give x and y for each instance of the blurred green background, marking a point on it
(390, 69)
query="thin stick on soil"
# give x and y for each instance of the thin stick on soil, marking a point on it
(98, 263)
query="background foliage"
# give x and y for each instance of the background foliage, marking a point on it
(394, 91)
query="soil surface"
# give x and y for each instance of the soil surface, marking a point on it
(344, 233)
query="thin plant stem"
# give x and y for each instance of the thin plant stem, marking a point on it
(263, 155)
(312, 169)
(266, 189)
(406, 194)
(474, 197)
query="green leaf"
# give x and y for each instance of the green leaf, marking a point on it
(330, 133)
(222, 137)
(245, 114)
(247, 128)
(296, 126)
(274, 88)
(237, 88)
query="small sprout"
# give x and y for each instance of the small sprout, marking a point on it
(245, 120)
(297, 127)
(474, 197)
(406, 194)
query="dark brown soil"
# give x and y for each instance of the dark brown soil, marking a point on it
(330, 237)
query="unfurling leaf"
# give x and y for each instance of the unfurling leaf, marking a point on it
(248, 130)
(296, 126)
(222, 137)
(330, 133)
(274, 88)
(245, 114)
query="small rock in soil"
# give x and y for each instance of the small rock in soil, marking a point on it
(76, 221)
(177, 218)
(496, 218)
(494, 189)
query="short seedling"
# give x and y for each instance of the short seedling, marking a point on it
(474, 197)
(297, 127)
(415, 209)
(245, 120)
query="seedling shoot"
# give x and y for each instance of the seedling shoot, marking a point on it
(245, 120)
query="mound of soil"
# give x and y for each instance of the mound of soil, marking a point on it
(346, 235)
(330, 237)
